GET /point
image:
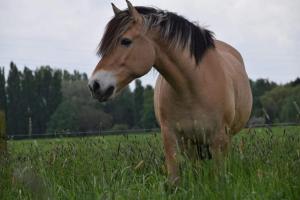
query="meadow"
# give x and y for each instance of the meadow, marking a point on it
(263, 163)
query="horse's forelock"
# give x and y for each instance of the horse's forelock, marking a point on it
(115, 27)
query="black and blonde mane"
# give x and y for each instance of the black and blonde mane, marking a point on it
(175, 29)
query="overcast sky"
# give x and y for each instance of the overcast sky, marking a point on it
(65, 33)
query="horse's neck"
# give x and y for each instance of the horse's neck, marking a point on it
(179, 69)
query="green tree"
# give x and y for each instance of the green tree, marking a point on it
(289, 111)
(121, 108)
(78, 111)
(148, 118)
(48, 87)
(55, 93)
(2, 90)
(28, 97)
(259, 88)
(84, 77)
(75, 76)
(295, 82)
(15, 111)
(66, 76)
(64, 118)
(138, 95)
(279, 105)
(43, 77)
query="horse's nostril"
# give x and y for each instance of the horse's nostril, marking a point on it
(90, 87)
(96, 86)
(109, 91)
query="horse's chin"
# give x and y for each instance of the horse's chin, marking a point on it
(101, 98)
(104, 99)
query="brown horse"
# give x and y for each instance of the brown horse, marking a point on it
(202, 96)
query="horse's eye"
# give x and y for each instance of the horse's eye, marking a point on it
(126, 42)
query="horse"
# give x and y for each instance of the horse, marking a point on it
(202, 96)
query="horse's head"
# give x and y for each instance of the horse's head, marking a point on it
(127, 53)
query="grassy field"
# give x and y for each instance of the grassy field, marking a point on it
(262, 164)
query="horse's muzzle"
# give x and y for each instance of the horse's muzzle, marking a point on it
(99, 93)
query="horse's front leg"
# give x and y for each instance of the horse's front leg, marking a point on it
(220, 144)
(171, 154)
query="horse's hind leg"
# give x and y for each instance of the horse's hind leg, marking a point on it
(188, 149)
(194, 149)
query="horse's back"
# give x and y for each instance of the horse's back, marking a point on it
(222, 46)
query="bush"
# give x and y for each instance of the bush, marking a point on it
(120, 127)
(280, 103)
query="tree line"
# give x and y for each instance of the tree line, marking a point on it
(275, 103)
(48, 100)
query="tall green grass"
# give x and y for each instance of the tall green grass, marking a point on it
(262, 164)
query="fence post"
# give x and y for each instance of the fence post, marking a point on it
(298, 111)
(3, 144)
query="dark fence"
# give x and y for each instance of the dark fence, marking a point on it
(120, 132)
(272, 125)
(83, 134)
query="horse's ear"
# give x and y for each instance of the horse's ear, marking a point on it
(115, 9)
(133, 12)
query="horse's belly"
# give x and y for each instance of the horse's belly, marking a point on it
(200, 128)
